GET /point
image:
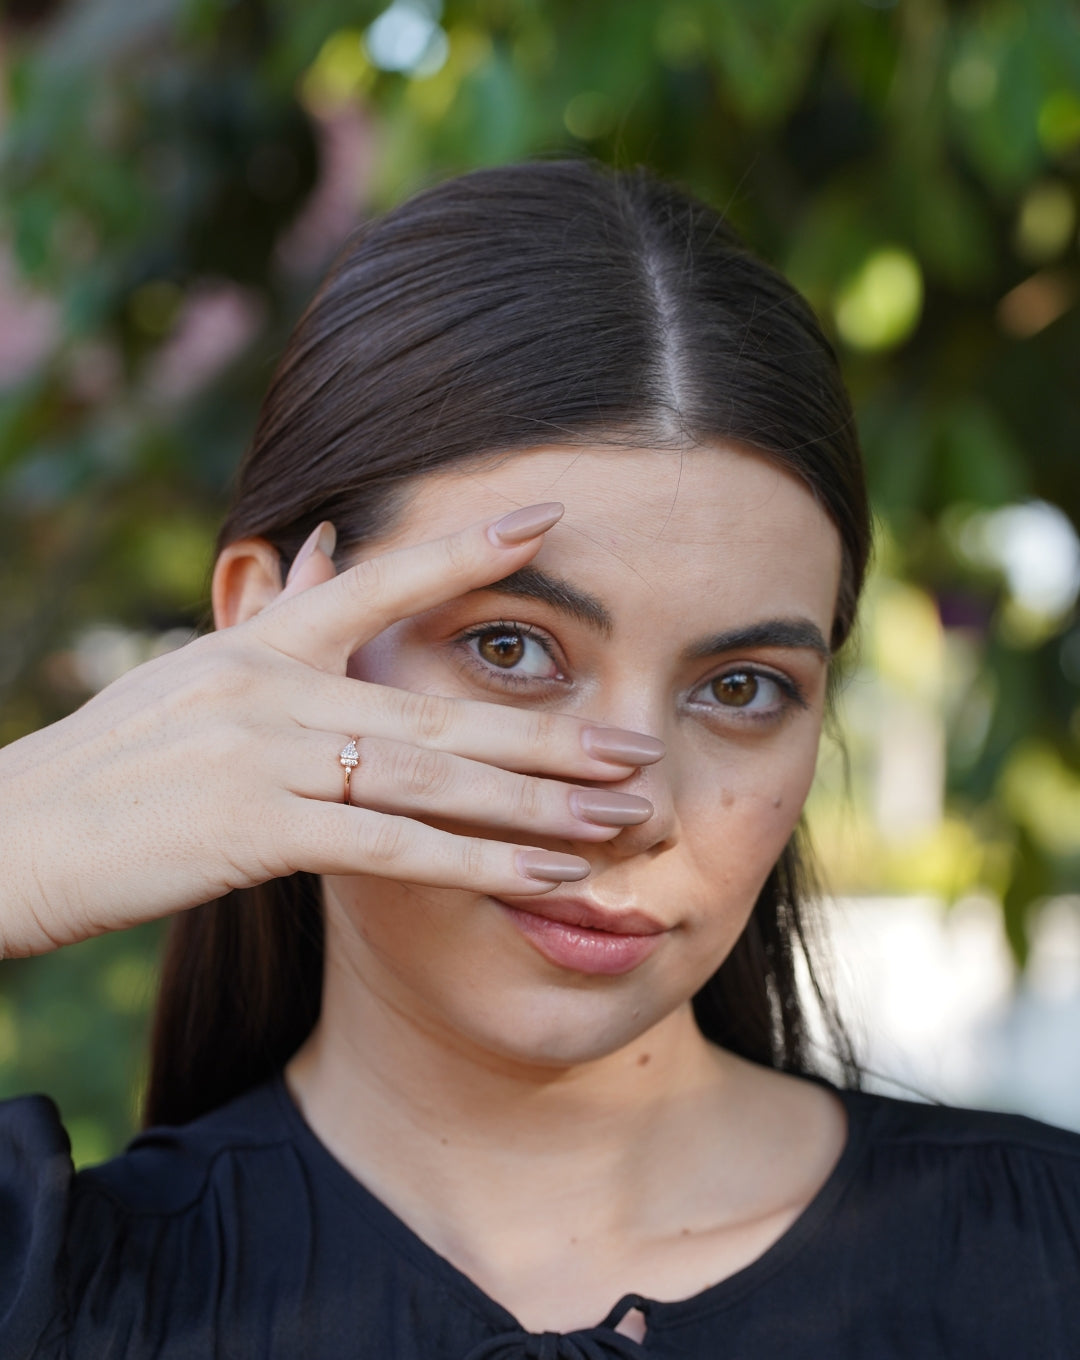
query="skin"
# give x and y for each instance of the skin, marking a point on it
(579, 1138)
(215, 767)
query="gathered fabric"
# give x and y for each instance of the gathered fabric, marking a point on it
(596, 1343)
(599, 1343)
(943, 1234)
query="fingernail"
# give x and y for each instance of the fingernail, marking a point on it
(548, 867)
(607, 808)
(624, 748)
(521, 525)
(323, 536)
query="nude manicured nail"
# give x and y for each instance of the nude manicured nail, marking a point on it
(521, 525)
(624, 748)
(323, 536)
(548, 867)
(608, 808)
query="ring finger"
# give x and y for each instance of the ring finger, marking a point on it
(396, 777)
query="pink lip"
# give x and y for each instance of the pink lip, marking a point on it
(583, 937)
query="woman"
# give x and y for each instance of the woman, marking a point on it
(489, 1041)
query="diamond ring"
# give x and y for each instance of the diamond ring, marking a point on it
(349, 758)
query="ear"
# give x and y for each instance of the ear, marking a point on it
(247, 577)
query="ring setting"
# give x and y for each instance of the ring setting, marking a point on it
(349, 759)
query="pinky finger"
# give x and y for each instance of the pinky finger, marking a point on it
(337, 839)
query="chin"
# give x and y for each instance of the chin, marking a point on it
(561, 1027)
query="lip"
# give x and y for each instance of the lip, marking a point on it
(585, 938)
(579, 911)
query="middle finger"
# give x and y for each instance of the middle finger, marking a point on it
(497, 734)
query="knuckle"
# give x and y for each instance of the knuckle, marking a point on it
(422, 774)
(428, 717)
(473, 858)
(530, 800)
(541, 730)
(219, 744)
(223, 675)
(458, 553)
(367, 581)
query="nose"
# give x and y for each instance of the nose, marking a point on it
(631, 699)
(658, 832)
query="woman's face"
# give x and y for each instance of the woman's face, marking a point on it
(687, 596)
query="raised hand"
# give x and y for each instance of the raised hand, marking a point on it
(216, 766)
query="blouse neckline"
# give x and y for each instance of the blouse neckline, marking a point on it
(660, 1314)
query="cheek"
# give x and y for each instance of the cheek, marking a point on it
(738, 813)
(400, 660)
(396, 934)
(379, 660)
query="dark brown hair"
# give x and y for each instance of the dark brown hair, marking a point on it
(535, 304)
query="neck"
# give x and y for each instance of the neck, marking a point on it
(388, 1090)
(558, 1189)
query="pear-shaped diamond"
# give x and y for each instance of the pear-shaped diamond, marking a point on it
(350, 755)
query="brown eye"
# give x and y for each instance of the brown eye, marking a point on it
(513, 650)
(737, 689)
(502, 648)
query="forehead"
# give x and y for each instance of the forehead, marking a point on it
(648, 527)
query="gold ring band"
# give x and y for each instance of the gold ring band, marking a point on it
(349, 758)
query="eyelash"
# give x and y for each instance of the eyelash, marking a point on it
(792, 692)
(508, 677)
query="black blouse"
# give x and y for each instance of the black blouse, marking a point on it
(940, 1233)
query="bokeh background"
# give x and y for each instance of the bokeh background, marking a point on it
(174, 175)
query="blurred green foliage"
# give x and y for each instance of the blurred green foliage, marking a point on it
(913, 166)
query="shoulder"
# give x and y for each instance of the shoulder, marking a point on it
(167, 1171)
(76, 1245)
(985, 1195)
(958, 1230)
(908, 1127)
(35, 1177)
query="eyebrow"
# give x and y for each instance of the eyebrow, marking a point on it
(530, 583)
(799, 634)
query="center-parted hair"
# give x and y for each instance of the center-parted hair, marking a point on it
(539, 304)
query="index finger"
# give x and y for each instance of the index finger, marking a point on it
(324, 625)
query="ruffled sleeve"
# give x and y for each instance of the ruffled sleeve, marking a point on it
(35, 1185)
(1009, 1247)
(975, 1217)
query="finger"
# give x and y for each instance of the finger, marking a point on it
(330, 838)
(314, 563)
(326, 623)
(498, 734)
(396, 778)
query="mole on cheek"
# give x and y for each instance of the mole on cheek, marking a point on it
(727, 798)
(778, 801)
